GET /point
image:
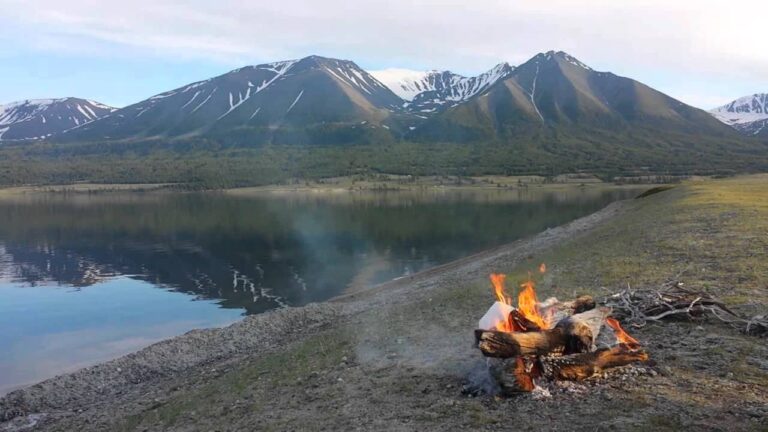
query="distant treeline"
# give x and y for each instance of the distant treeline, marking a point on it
(203, 163)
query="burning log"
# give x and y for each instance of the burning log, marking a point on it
(518, 322)
(576, 333)
(581, 366)
(499, 344)
(516, 375)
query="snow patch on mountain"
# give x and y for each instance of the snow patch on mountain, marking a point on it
(279, 68)
(405, 83)
(351, 75)
(748, 114)
(746, 109)
(432, 91)
(294, 101)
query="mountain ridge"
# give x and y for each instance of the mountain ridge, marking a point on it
(432, 91)
(42, 118)
(555, 90)
(263, 100)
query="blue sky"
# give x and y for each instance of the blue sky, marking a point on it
(702, 52)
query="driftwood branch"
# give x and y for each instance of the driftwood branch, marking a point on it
(562, 309)
(640, 306)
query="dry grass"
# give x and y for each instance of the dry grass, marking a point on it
(710, 234)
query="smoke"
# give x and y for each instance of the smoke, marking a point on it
(479, 379)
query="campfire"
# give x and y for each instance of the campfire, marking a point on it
(535, 342)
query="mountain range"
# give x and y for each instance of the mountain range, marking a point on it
(330, 117)
(317, 100)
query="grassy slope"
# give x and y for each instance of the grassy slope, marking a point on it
(712, 235)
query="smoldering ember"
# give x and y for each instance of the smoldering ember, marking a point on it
(533, 344)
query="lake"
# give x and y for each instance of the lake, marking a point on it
(88, 277)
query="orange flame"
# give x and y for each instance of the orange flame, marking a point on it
(504, 326)
(523, 376)
(528, 304)
(497, 279)
(542, 268)
(621, 335)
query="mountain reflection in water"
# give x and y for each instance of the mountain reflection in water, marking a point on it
(259, 253)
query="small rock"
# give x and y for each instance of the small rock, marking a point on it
(344, 359)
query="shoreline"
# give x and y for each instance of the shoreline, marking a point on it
(383, 183)
(154, 368)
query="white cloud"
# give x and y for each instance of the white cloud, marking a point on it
(709, 38)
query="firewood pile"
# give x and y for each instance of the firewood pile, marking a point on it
(638, 307)
(533, 342)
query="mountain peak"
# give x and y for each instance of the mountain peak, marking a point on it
(323, 61)
(748, 114)
(559, 56)
(40, 118)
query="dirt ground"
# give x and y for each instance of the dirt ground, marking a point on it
(400, 356)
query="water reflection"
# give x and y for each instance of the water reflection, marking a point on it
(260, 252)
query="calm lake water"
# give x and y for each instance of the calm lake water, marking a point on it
(88, 277)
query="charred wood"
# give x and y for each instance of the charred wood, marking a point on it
(519, 374)
(574, 334)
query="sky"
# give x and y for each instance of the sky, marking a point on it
(703, 52)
